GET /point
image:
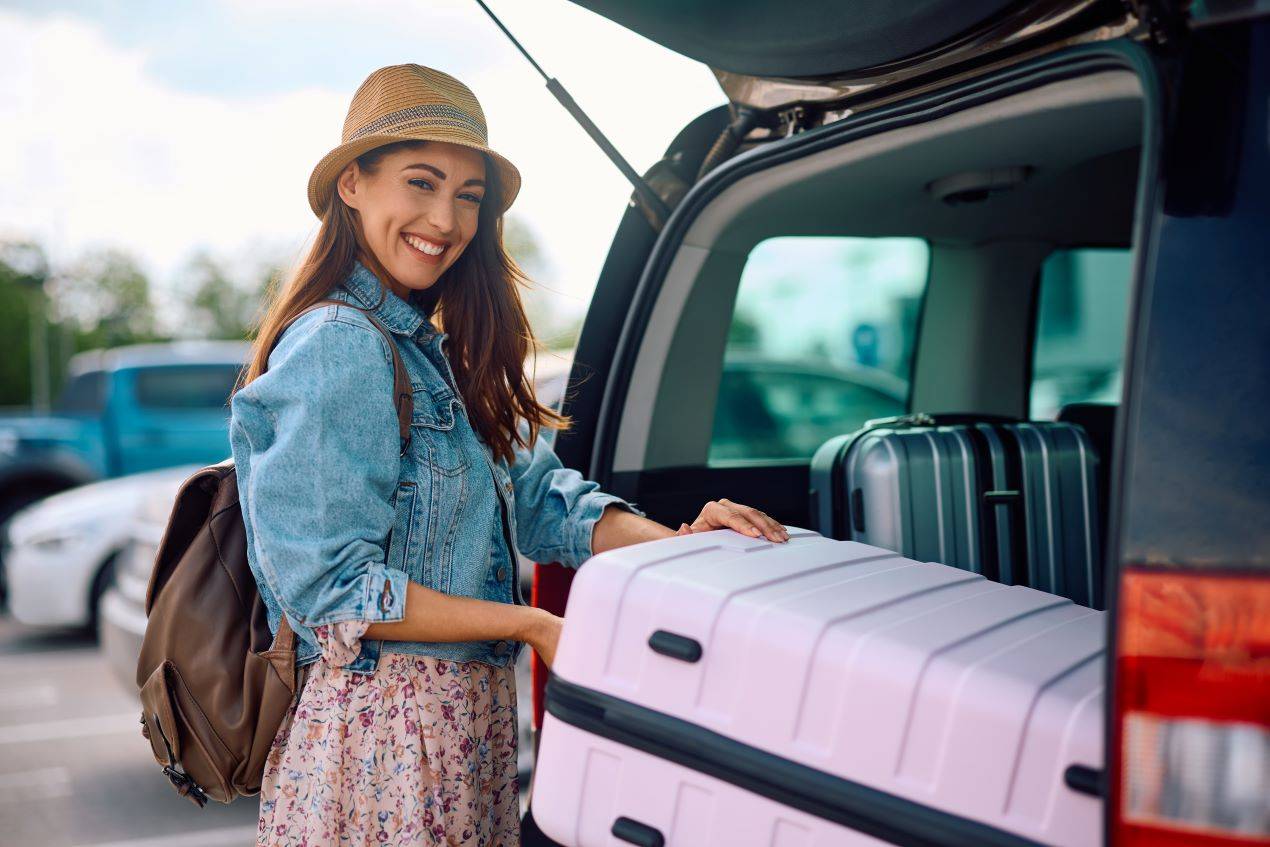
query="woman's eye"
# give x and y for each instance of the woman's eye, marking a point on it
(419, 182)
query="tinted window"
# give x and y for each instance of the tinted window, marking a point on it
(821, 340)
(84, 394)
(192, 387)
(1081, 320)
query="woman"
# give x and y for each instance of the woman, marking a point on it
(397, 568)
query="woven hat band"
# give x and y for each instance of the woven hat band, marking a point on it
(437, 115)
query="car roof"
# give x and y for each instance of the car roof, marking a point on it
(160, 354)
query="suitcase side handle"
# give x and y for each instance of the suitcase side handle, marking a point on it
(675, 646)
(634, 832)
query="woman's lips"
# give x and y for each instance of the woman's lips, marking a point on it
(421, 255)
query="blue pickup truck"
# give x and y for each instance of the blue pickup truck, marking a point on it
(122, 411)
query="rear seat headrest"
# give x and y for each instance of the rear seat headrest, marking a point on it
(1099, 422)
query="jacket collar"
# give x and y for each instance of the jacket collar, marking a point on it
(404, 317)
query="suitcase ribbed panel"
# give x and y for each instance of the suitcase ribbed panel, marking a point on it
(919, 494)
(1059, 473)
(920, 680)
(604, 780)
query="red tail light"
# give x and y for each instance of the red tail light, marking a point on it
(1191, 744)
(551, 592)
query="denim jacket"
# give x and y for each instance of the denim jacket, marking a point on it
(338, 519)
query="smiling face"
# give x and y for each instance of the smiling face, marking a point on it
(418, 209)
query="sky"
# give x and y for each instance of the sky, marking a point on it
(165, 128)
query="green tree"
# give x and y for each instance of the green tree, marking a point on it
(216, 305)
(555, 320)
(23, 268)
(105, 296)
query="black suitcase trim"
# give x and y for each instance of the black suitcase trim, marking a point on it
(851, 804)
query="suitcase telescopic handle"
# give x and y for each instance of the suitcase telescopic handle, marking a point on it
(634, 832)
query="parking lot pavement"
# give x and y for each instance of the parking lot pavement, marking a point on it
(74, 768)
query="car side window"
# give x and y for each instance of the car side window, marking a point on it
(83, 394)
(1082, 316)
(186, 386)
(821, 340)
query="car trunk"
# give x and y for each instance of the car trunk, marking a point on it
(771, 56)
(1079, 189)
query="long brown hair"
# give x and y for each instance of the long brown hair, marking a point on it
(477, 302)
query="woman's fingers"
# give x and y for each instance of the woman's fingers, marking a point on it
(713, 516)
(773, 530)
(717, 515)
(743, 519)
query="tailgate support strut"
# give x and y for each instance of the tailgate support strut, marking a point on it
(646, 195)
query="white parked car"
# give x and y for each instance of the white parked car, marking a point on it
(123, 616)
(62, 551)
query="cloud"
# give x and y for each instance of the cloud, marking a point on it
(107, 142)
(99, 152)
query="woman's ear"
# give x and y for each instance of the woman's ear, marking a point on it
(347, 184)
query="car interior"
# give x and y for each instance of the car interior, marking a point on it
(982, 206)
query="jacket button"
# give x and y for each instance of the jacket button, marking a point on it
(500, 649)
(500, 574)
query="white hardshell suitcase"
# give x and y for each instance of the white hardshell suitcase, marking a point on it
(715, 689)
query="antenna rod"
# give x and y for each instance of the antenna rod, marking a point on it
(646, 193)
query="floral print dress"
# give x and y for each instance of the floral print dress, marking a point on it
(421, 752)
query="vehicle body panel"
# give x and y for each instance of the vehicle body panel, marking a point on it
(56, 548)
(113, 432)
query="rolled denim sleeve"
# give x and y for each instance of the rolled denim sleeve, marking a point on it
(319, 487)
(556, 507)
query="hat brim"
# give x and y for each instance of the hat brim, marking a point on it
(322, 180)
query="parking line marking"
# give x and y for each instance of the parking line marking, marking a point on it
(21, 698)
(27, 733)
(238, 835)
(28, 786)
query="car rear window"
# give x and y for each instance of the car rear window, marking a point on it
(821, 340)
(186, 387)
(1081, 320)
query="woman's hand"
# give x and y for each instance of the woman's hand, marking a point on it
(724, 514)
(543, 634)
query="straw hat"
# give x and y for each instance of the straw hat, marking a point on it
(409, 103)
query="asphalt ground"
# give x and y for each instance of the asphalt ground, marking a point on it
(74, 768)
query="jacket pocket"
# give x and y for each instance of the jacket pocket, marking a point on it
(434, 434)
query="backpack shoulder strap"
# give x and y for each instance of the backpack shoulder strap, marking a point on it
(403, 393)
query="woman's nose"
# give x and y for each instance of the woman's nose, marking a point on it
(441, 216)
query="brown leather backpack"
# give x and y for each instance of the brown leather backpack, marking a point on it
(215, 682)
